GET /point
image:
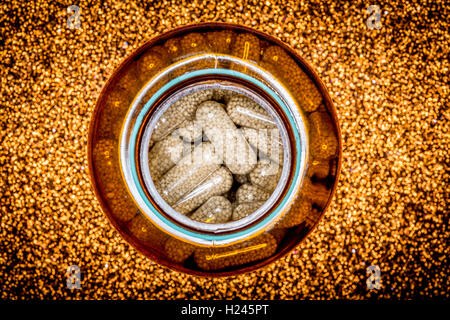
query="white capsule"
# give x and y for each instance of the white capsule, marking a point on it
(189, 172)
(216, 209)
(267, 141)
(165, 154)
(251, 193)
(246, 112)
(228, 141)
(180, 111)
(266, 175)
(217, 183)
(245, 209)
(190, 131)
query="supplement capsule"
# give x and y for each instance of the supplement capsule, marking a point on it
(244, 209)
(178, 251)
(165, 154)
(188, 173)
(251, 193)
(172, 46)
(235, 255)
(193, 44)
(297, 214)
(267, 141)
(180, 111)
(246, 112)
(106, 164)
(324, 143)
(246, 47)
(117, 103)
(216, 210)
(266, 175)
(220, 41)
(277, 61)
(130, 81)
(149, 64)
(228, 141)
(217, 183)
(146, 232)
(190, 131)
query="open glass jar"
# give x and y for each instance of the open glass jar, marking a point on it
(214, 149)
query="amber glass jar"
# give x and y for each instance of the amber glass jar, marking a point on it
(214, 149)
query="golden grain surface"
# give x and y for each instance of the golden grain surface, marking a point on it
(390, 88)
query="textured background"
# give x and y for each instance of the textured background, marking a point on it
(390, 87)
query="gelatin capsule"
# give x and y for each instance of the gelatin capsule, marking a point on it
(145, 231)
(296, 215)
(246, 47)
(266, 175)
(178, 251)
(190, 131)
(299, 83)
(116, 103)
(228, 141)
(172, 46)
(180, 111)
(267, 141)
(220, 41)
(251, 193)
(216, 209)
(246, 112)
(324, 144)
(278, 234)
(106, 165)
(244, 209)
(244, 252)
(215, 184)
(194, 44)
(130, 80)
(188, 173)
(165, 154)
(149, 64)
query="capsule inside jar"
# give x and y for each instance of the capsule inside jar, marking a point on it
(230, 166)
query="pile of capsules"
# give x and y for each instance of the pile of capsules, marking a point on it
(215, 156)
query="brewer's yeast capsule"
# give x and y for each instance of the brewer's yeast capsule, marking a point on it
(216, 209)
(246, 112)
(266, 175)
(190, 131)
(216, 183)
(178, 251)
(244, 209)
(267, 141)
(189, 172)
(250, 193)
(164, 155)
(228, 141)
(181, 110)
(252, 250)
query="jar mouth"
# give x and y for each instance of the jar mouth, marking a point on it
(143, 156)
(140, 123)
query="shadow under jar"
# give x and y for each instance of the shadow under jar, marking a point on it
(214, 149)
